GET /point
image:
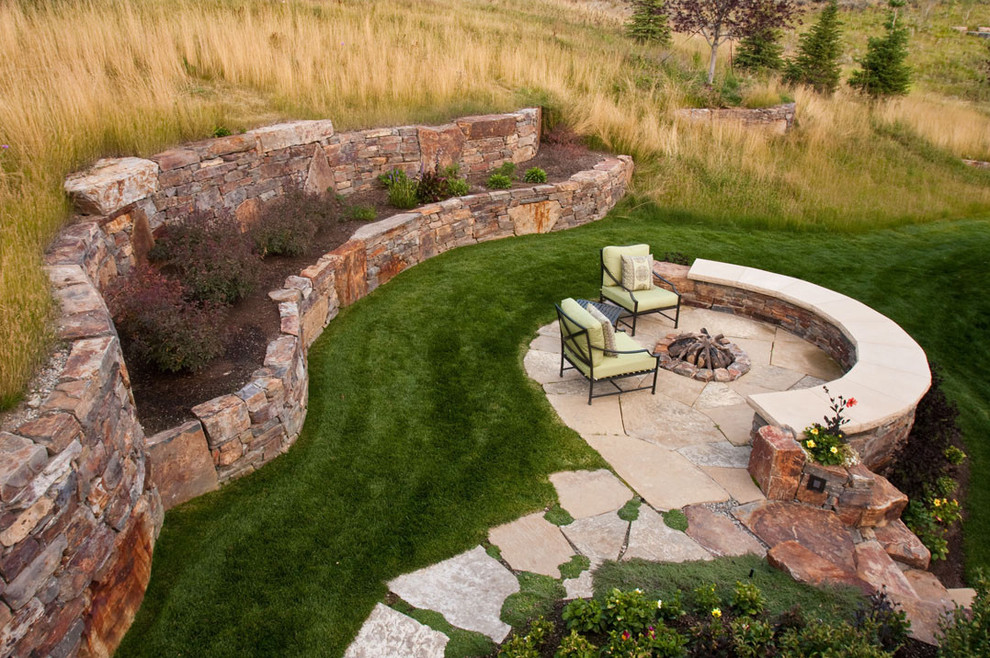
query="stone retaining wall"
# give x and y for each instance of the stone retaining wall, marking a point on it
(82, 490)
(888, 388)
(777, 119)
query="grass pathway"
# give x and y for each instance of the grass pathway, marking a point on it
(423, 430)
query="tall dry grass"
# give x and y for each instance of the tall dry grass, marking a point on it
(108, 77)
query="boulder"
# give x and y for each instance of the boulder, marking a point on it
(903, 545)
(180, 464)
(776, 462)
(112, 184)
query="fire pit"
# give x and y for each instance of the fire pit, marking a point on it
(702, 356)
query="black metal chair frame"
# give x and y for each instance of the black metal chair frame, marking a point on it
(585, 357)
(635, 312)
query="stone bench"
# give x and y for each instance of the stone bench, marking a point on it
(886, 370)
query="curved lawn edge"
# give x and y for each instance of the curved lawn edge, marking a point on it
(377, 480)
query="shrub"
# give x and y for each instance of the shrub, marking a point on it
(433, 186)
(931, 518)
(963, 634)
(282, 231)
(220, 131)
(751, 637)
(535, 175)
(887, 625)
(672, 607)
(747, 599)
(459, 187)
(159, 326)
(528, 646)
(209, 256)
(576, 646)
(836, 640)
(817, 63)
(507, 169)
(499, 182)
(630, 611)
(362, 213)
(401, 189)
(584, 616)
(704, 598)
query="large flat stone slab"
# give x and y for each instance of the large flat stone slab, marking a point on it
(874, 566)
(651, 539)
(818, 530)
(601, 417)
(664, 478)
(666, 422)
(717, 394)
(590, 493)
(806, 566)
(734, 422)
(544, 367)
(677, 387)
(581, 587)
(719, 534)
(805, 358)
(546, 344)
(758, 351)
(773, 378)
(388, 632)
(532, 544)
(599, 538)
(721, 453)
(468, 590)
(737, 481)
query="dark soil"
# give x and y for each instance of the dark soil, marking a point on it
(164, 400)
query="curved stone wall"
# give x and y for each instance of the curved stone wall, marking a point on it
(82, 490)
(886, 370)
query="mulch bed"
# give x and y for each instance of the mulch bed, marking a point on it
(164, 400)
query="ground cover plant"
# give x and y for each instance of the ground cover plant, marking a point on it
(423, 431)
(97, 87)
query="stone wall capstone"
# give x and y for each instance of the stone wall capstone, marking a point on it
(82, 489)
(777, 119)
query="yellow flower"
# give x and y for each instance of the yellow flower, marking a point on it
(809, 443)
(937, 502)
(834, 450)
(716, 612)
(814, 431)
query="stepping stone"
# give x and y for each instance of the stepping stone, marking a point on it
(552, 329)
(663, 477)
(666, 422)
(719, 534)
(735, 422)
(544, 367)
(581, 587)
(599, 538)
(717, 394)
(818, 530)
(601, 417)
(721, 453)
(758, 351)
(651, 539)
(806, 566)
(773, 378)
(549, 344)
(875, 567)
(737, 482)
(677, 387)
(387, 632)
(903, 545)
(468, 590)
(532, 544)
(806, 358)
(590, 493)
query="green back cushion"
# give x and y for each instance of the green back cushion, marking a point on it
(612, 258)
(581, 319)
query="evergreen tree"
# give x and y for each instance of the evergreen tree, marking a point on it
(761, 51)
(648, 23)
(883, 71)
(817, 61)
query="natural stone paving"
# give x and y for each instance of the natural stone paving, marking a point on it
(721, 453)
(580, 587)
(590, 493)
(663, 421)
(734, 422)
(468, 590)
(599, 537)
(737, 482)
(604, 417)
(387, 632)
(719, 534)
(532, 544)
(651, 539)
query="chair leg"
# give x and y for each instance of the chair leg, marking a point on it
(591, 389)
(634, 324)
(654, 392)
(677, 316)
(561, 361)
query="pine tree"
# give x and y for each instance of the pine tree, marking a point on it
(648, 23)
(817, 61)
(761, 51)
(883, 71)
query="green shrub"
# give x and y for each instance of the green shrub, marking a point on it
(835, 640)
(507, 169)
(671, 607)
(963, 634)
(220, 131)
(402, 194)
(535, 175)
(747, 599)
(751, 637)
(499, 182)
(630, 611)
(584, 616)
(159, 326)
(704, 598)
(576, 646)
(529, 645)
(362, 213)
(459, 187)
(209, 256)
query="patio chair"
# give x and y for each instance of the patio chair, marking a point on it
(636, 303)
(582, 345)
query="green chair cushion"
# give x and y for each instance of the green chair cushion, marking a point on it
(649, 300)
(612, 259)
(582, 320)
(624, 364)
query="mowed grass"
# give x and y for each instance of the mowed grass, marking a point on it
(423, 430)
(100, 78)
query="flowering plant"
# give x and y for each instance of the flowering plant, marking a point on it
(826, 443)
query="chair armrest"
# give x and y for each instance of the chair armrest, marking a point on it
(617, 352)
(669, 283)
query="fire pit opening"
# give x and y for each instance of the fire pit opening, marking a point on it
(702, 356)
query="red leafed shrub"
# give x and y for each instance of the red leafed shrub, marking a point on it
(159, 326)
(210, 256)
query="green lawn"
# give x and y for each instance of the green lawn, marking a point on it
(423, 430)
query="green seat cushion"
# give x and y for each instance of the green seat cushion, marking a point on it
(612, 259)
(649, 300)
(580, 319)
(624, 364)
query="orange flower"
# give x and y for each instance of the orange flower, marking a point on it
(852, 402)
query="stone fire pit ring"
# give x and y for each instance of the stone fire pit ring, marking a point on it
(740, 365)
